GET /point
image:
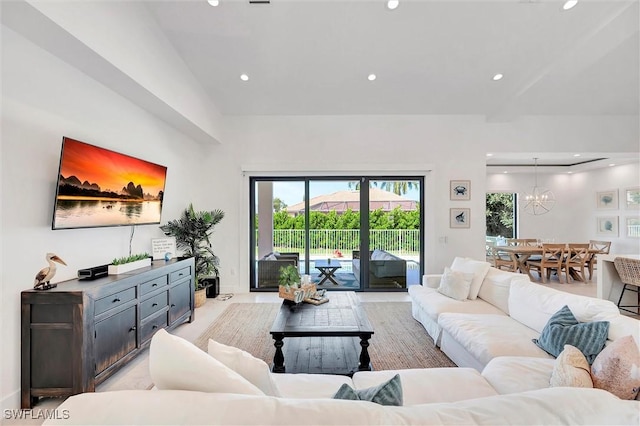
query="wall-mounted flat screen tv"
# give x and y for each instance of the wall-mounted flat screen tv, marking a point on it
(99, 187)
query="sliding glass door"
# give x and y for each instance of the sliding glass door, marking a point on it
(318, 225)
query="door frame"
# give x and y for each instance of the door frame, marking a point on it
(364, 218)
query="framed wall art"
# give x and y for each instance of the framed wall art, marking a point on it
(632, 227)
(607, 225)
(459, 218)
(632, 198)
(607, 199)
(460, 189)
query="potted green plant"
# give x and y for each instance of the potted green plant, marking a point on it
(192, 231)
(289, 281)
(289, 276)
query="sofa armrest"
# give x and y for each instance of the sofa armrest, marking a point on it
(269, 271)
(431, 280)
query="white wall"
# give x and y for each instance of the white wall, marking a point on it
(44, 99)
(441, 148)
(574, 217)
(122, 46)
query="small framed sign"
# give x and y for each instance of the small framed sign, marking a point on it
(163, 248)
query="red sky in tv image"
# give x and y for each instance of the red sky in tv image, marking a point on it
(110, 170)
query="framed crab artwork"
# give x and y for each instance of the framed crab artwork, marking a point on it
(460, 189)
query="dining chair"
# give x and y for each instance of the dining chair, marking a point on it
(629, 272)
(500, 259)
(522, 242)
(603, 247)
(576, 259)
(530, 242)
(551, 260)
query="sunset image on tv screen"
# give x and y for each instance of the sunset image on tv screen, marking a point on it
(100, 187)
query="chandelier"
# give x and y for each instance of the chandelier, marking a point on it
(539, 200)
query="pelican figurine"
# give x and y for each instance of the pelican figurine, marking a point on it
(46, 274)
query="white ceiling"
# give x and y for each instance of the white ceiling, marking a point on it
(525, 162)
(430, 56)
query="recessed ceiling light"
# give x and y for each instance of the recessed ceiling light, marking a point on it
(570, 173)
(371, 77)
(393, 4)
(244, 77)
(569, 4)
(489, 154)
(611, 165)
(213, 3)
(497, 77)
(576, 155)
(505, 172)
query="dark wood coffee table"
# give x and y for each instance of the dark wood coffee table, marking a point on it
(342, 316)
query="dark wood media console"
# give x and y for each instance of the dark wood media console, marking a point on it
(78, 334)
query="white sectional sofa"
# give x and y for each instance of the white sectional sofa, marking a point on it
(502, 378)
(554, 406)
(197, 391)
(508, 312)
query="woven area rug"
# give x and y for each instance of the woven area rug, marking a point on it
(399, 340)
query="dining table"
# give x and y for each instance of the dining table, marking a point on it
(522, 253)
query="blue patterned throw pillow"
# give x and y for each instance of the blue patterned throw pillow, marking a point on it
(387, 393)
(564, 329)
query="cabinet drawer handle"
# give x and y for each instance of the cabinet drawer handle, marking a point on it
(154, 285)
(180, 274)
(116, 300)
(173, 305)
(133, 328)
(154, 305)
(154, 327)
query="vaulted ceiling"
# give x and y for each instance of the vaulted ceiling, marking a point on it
(429, 56)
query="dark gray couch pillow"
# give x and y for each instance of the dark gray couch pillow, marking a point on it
(564, 329)
(387, 393)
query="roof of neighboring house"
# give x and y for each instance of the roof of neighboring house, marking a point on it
(342, 200)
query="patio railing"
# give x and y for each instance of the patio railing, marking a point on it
(324, 242)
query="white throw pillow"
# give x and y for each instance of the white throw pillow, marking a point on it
(571, 369)
(251, 368)
(495, 288)
(177, 364)
(533, 305)
(455, 284)
(377, 255)
(478, 268)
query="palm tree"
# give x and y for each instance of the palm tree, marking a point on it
(192, 233)
(398, 187)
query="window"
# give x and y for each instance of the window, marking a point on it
(501, 215)
(307, 222)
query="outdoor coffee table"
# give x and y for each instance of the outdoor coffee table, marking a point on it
(327, 270)
(342, 316)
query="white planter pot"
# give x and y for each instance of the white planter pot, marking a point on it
(127, 267)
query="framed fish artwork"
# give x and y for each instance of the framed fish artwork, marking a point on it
(459, 218)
